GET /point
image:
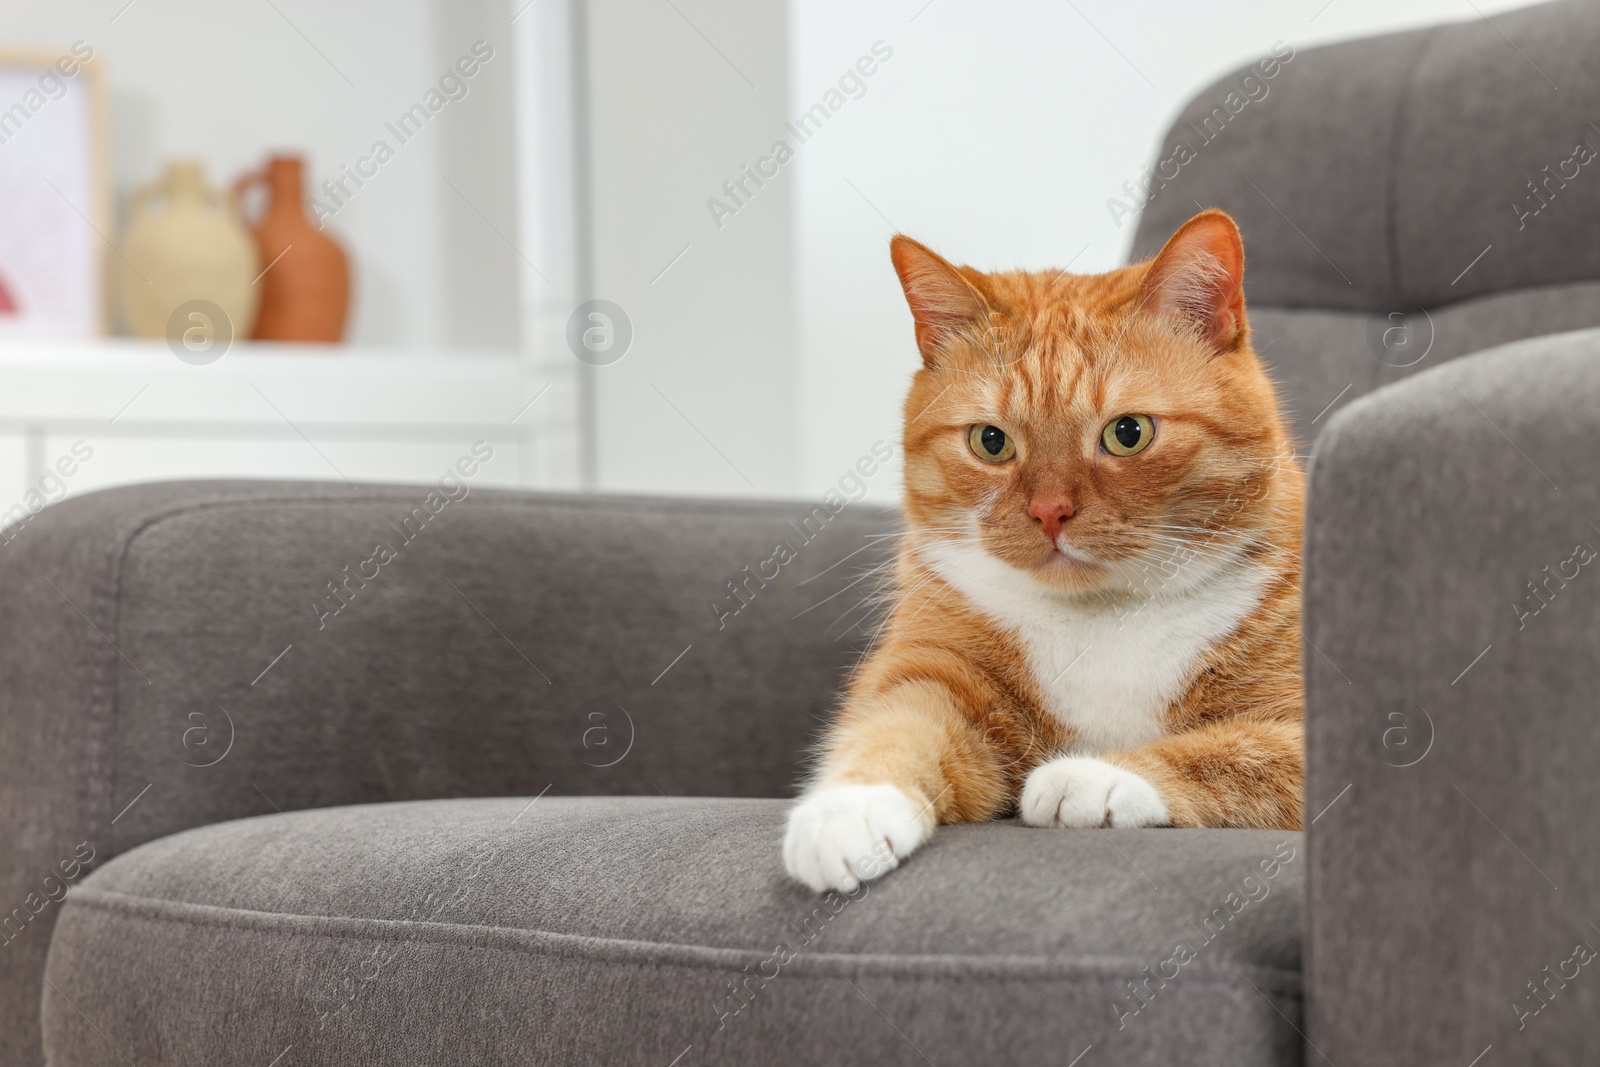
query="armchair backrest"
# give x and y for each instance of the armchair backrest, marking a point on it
(1404, 199)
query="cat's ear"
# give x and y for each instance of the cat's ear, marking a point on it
(942, 301)
(1199, 278)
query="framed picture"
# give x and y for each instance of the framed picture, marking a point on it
(54, 205)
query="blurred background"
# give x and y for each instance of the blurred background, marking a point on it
(639, 245)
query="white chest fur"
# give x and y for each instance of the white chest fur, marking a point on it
(1109, 671)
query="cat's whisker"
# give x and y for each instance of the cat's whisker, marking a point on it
(857, 606)
(900, 596)
(930, 603)
(874, 601)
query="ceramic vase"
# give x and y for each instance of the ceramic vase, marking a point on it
(184, 243)
(305, 285)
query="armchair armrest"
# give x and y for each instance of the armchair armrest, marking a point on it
(179, 654)
(1452, 612)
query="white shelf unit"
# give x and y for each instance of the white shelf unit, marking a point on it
(461, 248)
(271, 411)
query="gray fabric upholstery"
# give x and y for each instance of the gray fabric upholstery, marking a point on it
(1371, 176)
(1323, 360)
(1382, 167)
(605, 931)
(1457, 861)
(131, 611)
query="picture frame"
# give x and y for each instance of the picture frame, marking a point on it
(55, 216)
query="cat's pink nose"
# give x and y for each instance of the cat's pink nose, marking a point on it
(1051, 513)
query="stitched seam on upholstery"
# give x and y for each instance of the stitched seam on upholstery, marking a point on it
(1579, 287)
(128, 536)
(502, 499)
(1392, 212)
(878, 963)
(107, 757)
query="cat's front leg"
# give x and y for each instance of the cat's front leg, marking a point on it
(1240, 772)
(894, 765)
(842, 835)
(1233, 773)
(1081, 791)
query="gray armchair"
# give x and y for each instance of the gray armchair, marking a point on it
(517, 800)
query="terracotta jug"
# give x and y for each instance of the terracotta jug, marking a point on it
(305, 290)
(182, 244)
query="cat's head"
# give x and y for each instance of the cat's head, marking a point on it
(1092, 429)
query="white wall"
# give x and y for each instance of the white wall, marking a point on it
(227, 82)
(681, 95)
(995, 134)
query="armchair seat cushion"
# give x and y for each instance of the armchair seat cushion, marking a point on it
(662, 930)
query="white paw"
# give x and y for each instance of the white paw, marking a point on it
(1078, 791)
(842, 835)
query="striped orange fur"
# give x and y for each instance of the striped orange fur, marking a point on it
(1171, 574)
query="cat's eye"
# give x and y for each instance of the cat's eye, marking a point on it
(1128, 435)
(990, 443)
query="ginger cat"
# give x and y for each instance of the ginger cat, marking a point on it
(1098, 612)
